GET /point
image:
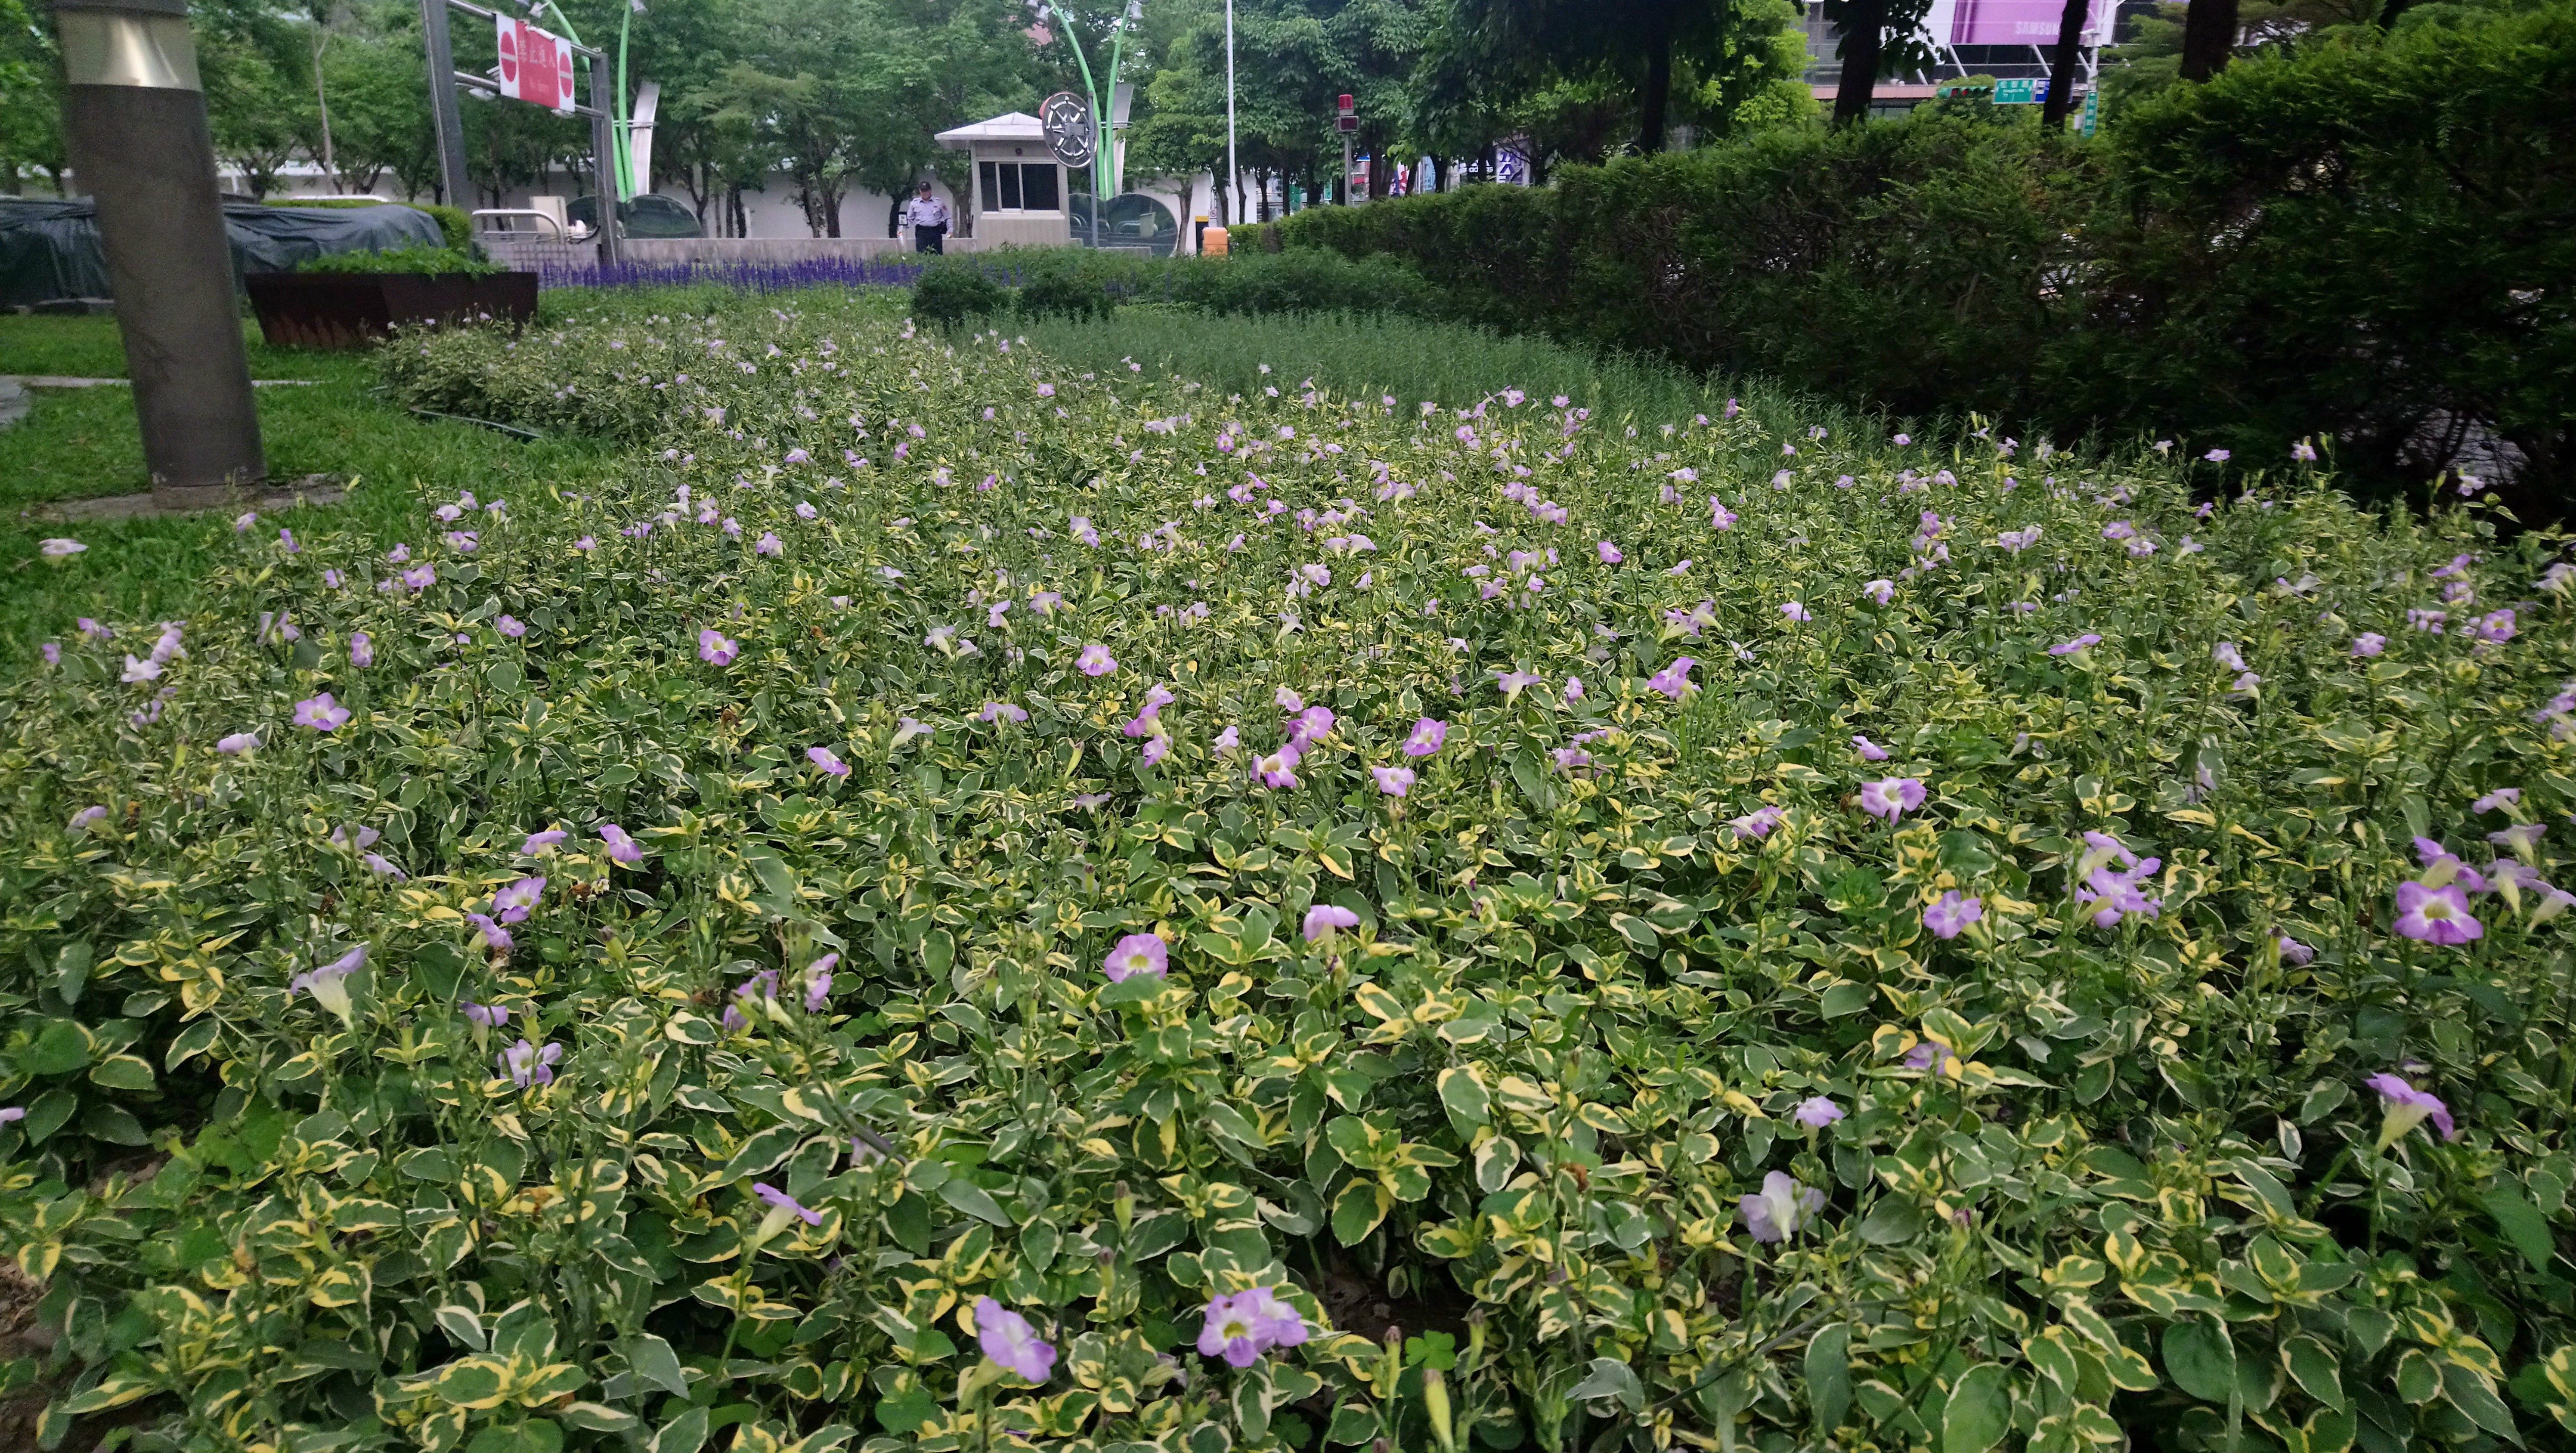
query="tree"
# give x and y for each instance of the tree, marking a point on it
(2062, 63)
(2208, 38)
(31, 104)
(1880, 38)
(1501, 46)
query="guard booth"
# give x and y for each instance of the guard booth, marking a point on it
(1022, 194)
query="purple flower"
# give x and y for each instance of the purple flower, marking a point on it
(1674, 680)
(1880, 591)
(767, 544)
(495, 937)
(1428, 734)
(1951, 915)
(1137, 953)
(2435, 915)
(2069, 648)
(1279, 769)
(1324, 918)
(2369, 643)
(1311, 726)
(1156, 750)
(1935, 1056)
(2406, 1107)
(1719, 516)
(514, 902)
(362, 651)
(490, 1016)
(1869, 751)
(1775, 1214)
(2522, 837)
(1513, 683)
(523, 1064)
(2216, 456)
(1608, 552)
(2501, 797)
(822, 757)
(58, 548)
(52, 651)
(1795, 611)
(1393, 781)
(621, 848)
(714, 649)
(382, 866)
(1891, 797)
(1242, 1326)
(2293, 952)
(1817, 1113)
(786, 1202)
(12, 1114)
(239, 744)
(818, 982)
(323, 983)
(1095, 660)
(88, 817)
(509, 625)
(1001, 711)
(321, 713)
(1755, 824)
(541, 843)
(1004, 1335)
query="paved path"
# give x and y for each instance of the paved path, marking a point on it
(57, 380)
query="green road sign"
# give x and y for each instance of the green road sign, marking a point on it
(2021, 91)
(2092, 111)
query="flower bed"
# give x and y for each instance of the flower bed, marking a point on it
(953, 904)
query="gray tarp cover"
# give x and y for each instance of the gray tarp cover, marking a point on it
(50, 249)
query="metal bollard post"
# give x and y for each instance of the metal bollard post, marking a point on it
(134, 118)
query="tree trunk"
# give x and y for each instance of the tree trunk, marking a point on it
(1656, 98)
(2208, 38)
(1863, 25)
(2062, 66)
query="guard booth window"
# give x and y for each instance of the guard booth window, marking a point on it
(1011, 186)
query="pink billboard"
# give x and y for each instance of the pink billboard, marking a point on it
(2021, 22)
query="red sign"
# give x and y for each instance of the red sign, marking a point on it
(536, 65)
(1345, 120)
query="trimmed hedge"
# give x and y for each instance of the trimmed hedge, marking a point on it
(2365, 242)
(1079, 282)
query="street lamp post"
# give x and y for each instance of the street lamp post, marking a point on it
(1104, 176)
(1233, 169)
(134, 116)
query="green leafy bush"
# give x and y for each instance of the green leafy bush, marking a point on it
(1065, 283)
(401, 259)
(1875, 946)
(2360, 241)
(950, 293)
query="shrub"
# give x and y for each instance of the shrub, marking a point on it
(1942, 978)
(949, 293)
(1069, 291)
(2362, 240)
(1304, 281)
(401, 259)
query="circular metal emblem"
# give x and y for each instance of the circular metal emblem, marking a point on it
(1066, 119)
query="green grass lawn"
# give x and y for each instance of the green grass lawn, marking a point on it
(80, 443)
(1445, 363)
